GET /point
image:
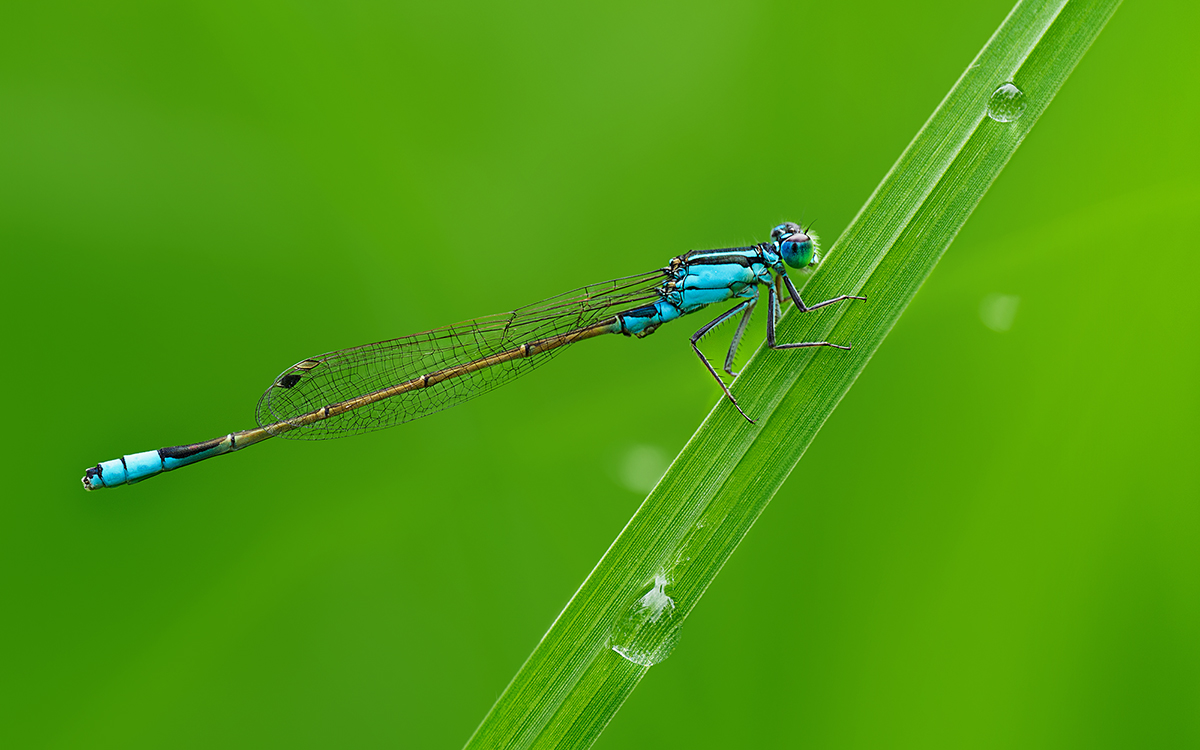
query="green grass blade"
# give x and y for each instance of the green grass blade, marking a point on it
(573, 683)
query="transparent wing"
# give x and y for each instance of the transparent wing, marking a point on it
(348, 374)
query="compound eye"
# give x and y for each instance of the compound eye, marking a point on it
(797, 250)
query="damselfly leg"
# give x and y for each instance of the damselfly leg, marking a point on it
(795, 295)
(772, 311)
(737, 337)
(748, 305)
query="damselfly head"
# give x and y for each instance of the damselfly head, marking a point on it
(797, 247)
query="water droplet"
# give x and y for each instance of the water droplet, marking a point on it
(648, 631)
(997, 311)
(642, 466)
(1007, 104)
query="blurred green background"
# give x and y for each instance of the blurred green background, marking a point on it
(992, 543)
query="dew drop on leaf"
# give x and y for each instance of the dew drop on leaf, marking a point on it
(648, 631)
(1006, 104)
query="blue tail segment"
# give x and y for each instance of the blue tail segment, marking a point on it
(138, 466)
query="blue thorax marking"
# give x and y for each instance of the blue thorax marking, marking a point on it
(701, 278)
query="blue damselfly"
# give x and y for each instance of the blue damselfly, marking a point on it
(370, 387)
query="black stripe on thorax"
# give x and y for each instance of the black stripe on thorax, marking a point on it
(742, 256)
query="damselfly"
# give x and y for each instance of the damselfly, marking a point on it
(383, 384)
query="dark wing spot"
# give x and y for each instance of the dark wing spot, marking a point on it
(289, 380)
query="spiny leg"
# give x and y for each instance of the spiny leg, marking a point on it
(772, 306)
(795, 295)
(737, 336)
(700, 334)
